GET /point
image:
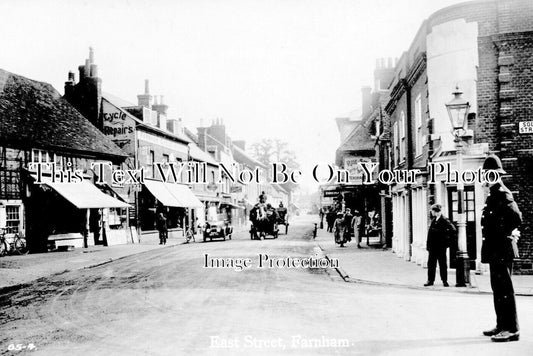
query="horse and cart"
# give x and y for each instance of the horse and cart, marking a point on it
(266, 220)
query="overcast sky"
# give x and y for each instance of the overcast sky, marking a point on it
(268, 68)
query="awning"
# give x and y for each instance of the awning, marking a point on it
(231, 204)
(172, 194)
(161, 193)
(184, 195)
(84, 195)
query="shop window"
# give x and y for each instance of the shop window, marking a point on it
(13, 218)
(39, 156)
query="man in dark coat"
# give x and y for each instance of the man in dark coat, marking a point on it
(500, 221)
(162, 227)
(330, 218)
(441, 232)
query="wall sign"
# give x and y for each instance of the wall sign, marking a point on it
(119, 127)
(525, 127)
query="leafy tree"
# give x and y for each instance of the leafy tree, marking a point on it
(268, 151)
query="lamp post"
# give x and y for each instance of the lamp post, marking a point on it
(458, 112)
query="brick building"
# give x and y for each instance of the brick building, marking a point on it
(486, 49)
(148, 137)
(366, 138)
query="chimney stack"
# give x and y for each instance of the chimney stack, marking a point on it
(367, 100)
(145, 99)
(383, 74)
(159, 106)
(86, 95)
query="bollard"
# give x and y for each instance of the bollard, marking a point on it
(315, 231)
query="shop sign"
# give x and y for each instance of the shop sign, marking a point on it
(119, 127)
(330, 193)
(236, 189)
(355, 169)
(212, 186)
(525, 127)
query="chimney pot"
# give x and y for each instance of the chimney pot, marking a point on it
(146, 86)
(81, 70)
(161, 100)
(155, 100)
(91, 55)
(71, 76)
(94, 70)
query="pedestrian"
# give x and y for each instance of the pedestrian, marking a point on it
(500, 221)
(162, 227)
(330, 218)
(440, 234)
(348, 231)
(339, 230)
(322, 213)
(356, 227)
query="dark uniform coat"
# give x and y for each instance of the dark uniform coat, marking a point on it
(500, 217)
(441, 233)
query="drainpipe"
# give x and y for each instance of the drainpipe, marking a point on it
(409, 160)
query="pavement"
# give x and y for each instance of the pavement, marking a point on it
(373, 265)
(19, 271)
(369, 265)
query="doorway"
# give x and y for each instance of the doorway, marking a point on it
(470, 211)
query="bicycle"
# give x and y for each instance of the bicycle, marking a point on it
(15, 244)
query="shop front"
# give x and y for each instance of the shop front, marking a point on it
(75, 214)
(175, 201)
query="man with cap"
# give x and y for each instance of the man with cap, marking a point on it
(440, 233)
(500, 221)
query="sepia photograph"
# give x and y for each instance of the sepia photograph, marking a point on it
(266, 177)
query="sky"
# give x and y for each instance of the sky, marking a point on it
(267, 68)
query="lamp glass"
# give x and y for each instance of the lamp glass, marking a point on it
(458, 111)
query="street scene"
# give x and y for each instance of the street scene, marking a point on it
(163, 301)
(266, 177)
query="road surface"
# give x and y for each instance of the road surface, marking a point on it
(165, 302)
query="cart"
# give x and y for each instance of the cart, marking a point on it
(264, 222)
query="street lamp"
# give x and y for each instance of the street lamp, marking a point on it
(458, 112)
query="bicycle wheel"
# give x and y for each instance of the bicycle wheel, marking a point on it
(3, 248)
(20, 245)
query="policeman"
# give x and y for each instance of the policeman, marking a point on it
(500, 221)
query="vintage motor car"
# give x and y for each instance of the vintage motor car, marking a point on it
(217, 227)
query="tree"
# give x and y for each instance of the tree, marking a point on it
(269, 151)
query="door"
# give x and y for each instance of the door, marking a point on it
(470, 210)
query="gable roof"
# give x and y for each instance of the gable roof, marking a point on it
(358, 140)
(242, 157)
(34, 115)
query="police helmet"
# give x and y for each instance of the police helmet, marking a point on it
(494, 163)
